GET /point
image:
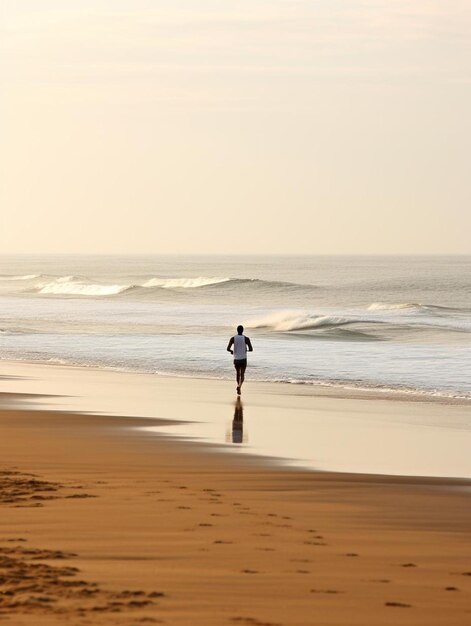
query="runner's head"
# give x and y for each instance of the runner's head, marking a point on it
(240, 329)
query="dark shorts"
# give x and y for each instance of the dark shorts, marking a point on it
(240, 362)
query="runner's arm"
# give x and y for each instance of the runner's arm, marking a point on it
(248, 344)
(230, 344)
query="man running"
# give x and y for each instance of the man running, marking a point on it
(240, 343)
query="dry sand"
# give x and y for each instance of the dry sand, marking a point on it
(101, 523)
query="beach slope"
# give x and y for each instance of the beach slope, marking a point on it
(103, 524)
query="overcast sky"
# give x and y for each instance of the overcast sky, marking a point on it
(209, 126)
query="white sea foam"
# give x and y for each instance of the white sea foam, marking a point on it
(401, 306)
(386, 306)
(184, 283)
(67, 285)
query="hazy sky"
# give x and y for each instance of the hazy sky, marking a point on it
(281, 126)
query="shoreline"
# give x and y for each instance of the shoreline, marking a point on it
(333, 390)
(341, 433)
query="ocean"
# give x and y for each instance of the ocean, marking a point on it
(392, 324)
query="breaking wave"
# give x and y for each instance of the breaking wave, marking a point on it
(76, 288)
(299, 320)
(184, 283)
(409, 306)
(82, 286)
(226, 284)
(22, 277)
(385, 306)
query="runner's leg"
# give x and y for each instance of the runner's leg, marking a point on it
(237, 368)
(242, 374)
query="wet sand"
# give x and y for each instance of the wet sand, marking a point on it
(103, 524)
(322, 428)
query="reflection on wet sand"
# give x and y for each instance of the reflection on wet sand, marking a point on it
(238, 422)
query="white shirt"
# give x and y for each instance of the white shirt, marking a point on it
(240, 348)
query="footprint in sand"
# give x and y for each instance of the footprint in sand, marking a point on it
(80, 496)
(139, 604)
(48, 554)
(42, 585)
(87, 593)
(49, 497)
(398, 604)
(351, 554)
(252, 621)
(156, 594)
(325, 591)
(220, 541)
(204, 524)
(451, 589)
(184, 507)
(250, 571)
(129, 594)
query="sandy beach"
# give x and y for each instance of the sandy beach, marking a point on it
(104, 523)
